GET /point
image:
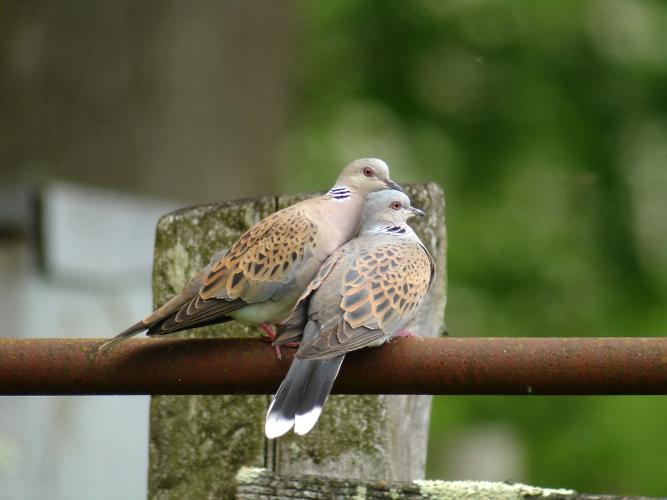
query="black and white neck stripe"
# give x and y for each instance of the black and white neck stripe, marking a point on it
(392, 230)
(340, 193)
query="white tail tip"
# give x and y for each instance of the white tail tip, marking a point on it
(305, 422)
(277, 425)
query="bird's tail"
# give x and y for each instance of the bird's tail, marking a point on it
(300, 398)
(167, 310)
(157, 316)
(124, 335)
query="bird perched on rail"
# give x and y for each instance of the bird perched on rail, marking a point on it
(259, 279)
(366, 292)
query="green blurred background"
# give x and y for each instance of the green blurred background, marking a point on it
(545, 122)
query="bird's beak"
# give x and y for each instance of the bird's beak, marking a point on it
(416, 211)
(392, 185)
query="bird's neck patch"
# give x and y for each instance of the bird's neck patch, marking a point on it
(339, 193)
(391, 230)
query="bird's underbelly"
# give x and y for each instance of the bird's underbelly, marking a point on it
(270, 311)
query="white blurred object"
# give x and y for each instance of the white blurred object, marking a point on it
(98, 235)
(97, 250)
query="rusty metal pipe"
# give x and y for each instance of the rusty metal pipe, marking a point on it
(406, 366)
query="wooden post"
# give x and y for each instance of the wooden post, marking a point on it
(198, 443)
(260, 484)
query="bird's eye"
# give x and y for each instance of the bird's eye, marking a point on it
(396, 205)
(368, 172)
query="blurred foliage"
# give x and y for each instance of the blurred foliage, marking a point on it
(546, 123)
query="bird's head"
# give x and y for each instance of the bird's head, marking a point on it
(388, 208)
(367, 175)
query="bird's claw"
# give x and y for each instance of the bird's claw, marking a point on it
(402, 333)
(271, 336)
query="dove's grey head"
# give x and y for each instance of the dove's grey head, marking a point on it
(367, 175)
(388, 211)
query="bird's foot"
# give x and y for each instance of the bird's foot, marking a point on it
(268, 331)
(293, 345)
(403, 332)
(270, 337)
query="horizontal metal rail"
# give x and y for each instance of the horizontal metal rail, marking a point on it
(556, 366)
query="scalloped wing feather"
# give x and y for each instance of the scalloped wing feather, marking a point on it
(263, 263)
(381, 291)
(196, 312)
(386, 285)
(340, 340)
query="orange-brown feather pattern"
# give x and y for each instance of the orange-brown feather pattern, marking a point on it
(380, 287)
(385, 285)
(264, 258)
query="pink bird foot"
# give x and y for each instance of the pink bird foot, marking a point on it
(293, 345)
(403, 332)
(270, 337)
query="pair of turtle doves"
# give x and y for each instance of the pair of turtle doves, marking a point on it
(338, 292)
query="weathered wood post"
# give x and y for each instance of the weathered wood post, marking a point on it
(198, 443)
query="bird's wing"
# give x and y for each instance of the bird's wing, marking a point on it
(263, 264)
(381, 290)
(195, 313)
